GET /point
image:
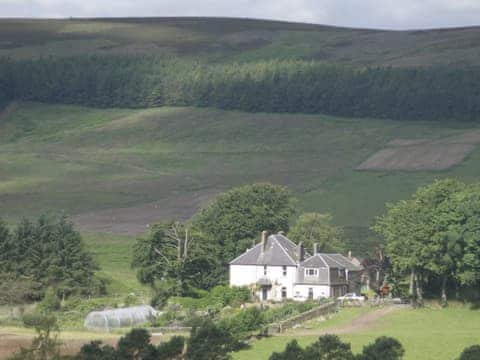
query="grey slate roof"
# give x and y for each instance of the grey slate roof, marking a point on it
(315, 261)
(339, 261)
(279, 251)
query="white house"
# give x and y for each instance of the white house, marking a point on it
(279, 269)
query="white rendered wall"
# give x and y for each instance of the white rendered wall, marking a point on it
(319, 291)
(244, 275)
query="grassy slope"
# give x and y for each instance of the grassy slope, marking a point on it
(427, 334)
(238, 40)
(76, 159)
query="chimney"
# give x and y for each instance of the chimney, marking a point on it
(300, 251)
(350, 254)
(264, 240)
(315, 249)
(281, 233)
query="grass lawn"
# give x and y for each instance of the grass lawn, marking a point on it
(427, 334)
(113, 254)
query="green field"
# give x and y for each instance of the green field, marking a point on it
(82, 161)
(427, 334)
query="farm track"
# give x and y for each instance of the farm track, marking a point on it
(362, 323)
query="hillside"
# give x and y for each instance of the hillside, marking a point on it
(118, 122)
(225, 40)
(118, 170)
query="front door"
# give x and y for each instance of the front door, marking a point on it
(264, 294)
(310, 293)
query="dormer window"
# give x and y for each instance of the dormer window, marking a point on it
(311, 272)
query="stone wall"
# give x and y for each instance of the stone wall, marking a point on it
(289, 323)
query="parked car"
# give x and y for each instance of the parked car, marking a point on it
(351, 297)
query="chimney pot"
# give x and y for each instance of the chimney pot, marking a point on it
(264, 240)
(350, 254)
(301, 252)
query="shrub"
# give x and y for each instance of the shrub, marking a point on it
(246, 320)
(470, 353)
(384, 348)
(50, 302)
(171, 349)
(209, 341)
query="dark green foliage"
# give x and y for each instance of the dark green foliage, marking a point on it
(242, 213)
(95, 351)
(209, 341)
(330, 347)
(229, 295)
(51, 253)
(247, 320)
(50, 302)
(327, 347)
(292, 352)
(470, 353)
(171, 349)
(135, 345)
(277, 86)
(384, 348)
(173, 260)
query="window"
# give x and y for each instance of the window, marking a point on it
(284, 268)
(284, 292)
(311, 272)
(264, 269)
(341, 273)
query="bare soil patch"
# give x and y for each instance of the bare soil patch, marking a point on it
(136, 220)
(11, 343)
(422, 154)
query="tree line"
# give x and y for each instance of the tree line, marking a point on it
(433, 238)
(42, 254)
(421, 93)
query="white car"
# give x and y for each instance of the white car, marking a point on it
(351, 297)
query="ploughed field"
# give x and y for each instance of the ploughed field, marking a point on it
(120, 170)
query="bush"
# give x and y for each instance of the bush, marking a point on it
(470, 353)
(209, 341)
(171, 349)
(246, 320)
(226, 295)
(384, 348)
(50, 302)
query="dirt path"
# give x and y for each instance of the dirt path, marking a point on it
(362, 323)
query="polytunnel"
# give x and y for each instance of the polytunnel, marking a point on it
(118, 318)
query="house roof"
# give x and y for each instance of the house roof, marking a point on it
(279, 251)
(338, 261)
